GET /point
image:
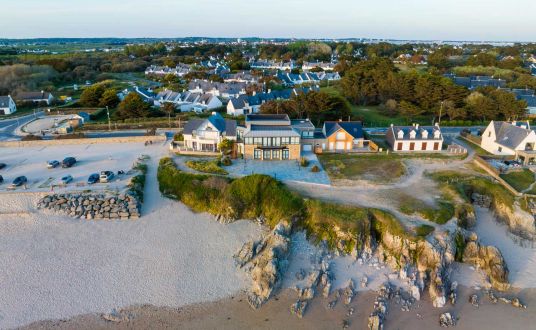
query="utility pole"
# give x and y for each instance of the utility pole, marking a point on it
(440, 111)
(109, 122)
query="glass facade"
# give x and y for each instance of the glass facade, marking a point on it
(272, 141)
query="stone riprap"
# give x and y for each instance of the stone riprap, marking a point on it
(93, 206)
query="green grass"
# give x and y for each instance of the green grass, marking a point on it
(440, 213)
(254, 196)
(378, 168)
(466, 184)
(424, 230)
(519, 180)
(206, 166)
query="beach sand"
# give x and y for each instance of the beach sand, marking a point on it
(235, 313)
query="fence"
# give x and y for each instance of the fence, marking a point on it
(486, 166)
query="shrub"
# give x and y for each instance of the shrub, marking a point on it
(226, 161)
(31, 137)
(315, 169)
(304, 162)
(424, 230)
(206, 166)
(178, 137)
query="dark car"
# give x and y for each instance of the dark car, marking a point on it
(68, 162)
(93, 178)
(19, 181)
(2, 165)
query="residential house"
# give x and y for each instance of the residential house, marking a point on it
(242, 77)
(7, 105)
(188, 101)
(250, 104)
(326, 66)
(291, 79)
(269, 137)
(146, 94)
(35, 97)
(328, 76)
(527, 95)
(343, 136)
(269, 64)
(204, 135)
(415, 138)
(510, 139)
(180, 70)
(224, 90)
(533, 69)
(474, 82)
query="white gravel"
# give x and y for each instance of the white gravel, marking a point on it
(56, 267)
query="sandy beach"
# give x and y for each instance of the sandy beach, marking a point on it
(235, 313)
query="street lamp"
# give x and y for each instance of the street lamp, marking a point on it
(109, 123)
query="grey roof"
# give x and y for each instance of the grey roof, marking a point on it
(4, 101)
(354, 128)
(192, 125)
(302, 124)
(407, 129)
(267, 117)
(271, 131)
(33, 95)
(509, 135)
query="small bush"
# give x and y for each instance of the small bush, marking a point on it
(315, 169)
(178, 137)
(304, 162)
(226, 161)
(206, 166)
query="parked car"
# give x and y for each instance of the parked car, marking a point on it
(2, 165)
(53, 164)
(66, 179)
(93, 178)
(1, 179)
(106, 176)
(68, 162)
(19, 181)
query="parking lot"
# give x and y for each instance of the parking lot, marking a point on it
(32, 163)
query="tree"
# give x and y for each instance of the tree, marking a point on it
(91, 96)
(109, 98)
(225, 146)
(169, 109)
(410, 110)
(132, 107)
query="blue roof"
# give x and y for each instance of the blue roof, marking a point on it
(354, 128)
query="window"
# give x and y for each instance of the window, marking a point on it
(489, 134)
(341, 136)
(257, 140)
(249, 140)
(267, 154)
(257, 154)
(399, 147)
(285, 140)
(412, 146)
(285, 154)
(424, 145)
(295, 140)
(500, 149)
(276, 142)
(436, 146)
(276, 154)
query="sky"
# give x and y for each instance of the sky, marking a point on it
(490, 20)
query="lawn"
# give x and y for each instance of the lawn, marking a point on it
(377, 168)
(442, 212)
(206, 166)
(520, 180)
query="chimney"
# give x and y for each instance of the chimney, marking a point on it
(392, 125)
(417, 126)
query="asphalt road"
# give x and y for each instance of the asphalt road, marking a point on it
(8, 126)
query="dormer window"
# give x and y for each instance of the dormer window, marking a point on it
(400, 134)
(412, 134)
(424, 134)
(437, 134)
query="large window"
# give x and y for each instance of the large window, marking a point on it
(285, 153)
(285, 140)
(257, 154)
(276, 154)
(257, 140)
(267, 154)
(295, 140)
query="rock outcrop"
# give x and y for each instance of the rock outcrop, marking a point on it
(265, 260)
(93, 206)
(490, 260)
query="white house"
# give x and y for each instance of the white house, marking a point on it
(509, 139)
(188, 101)
(415, 138)
(7, 105)
(206, 134)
